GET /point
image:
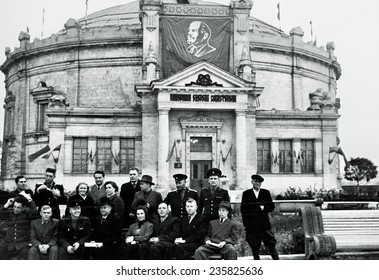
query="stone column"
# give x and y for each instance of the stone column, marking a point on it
(240, 149)
(163, 148)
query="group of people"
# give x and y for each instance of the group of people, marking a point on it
(135, 222)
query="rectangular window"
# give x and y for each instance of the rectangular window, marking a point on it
(307, 156)
(80, 155)
(127, 154)
(43, 123)
(285, 156)
(104, 155)
(201, 144)
(264, 155)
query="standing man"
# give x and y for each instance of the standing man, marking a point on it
(192, 232)
(74, 231)
(97, 191)
(44, 236)
(166, 229)
(17, 225)
(255, 205)
(49, 193)
(177, 199)
(222, 236)
(211, 197)
(22, 188)
(147, 197)
(128, 190)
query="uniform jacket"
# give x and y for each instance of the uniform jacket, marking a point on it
(118, 207)
(44, 234)
(253, 217)
(96, 194)
(18, 226)
(68, 234)
(109, 231)
(145, 232)
(45, 197)
(208, 204)
(195, 231)
(127, 195)
(87, 206)
(153, 198)
(227, 231)
(167, 230)
(178, 206)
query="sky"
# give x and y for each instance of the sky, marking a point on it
(352, 25)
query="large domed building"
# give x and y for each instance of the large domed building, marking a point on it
(172, 88)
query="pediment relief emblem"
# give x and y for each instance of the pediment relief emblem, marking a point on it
(201, 120)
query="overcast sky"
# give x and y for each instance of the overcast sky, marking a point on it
(353, 26)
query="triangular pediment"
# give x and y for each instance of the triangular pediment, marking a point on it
(205, 76)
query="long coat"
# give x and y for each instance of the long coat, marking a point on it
(153, 198)
(118, 206)
(44, 234)
(253, 217)
(208, 203)
(109, 231)
(178, 206)
(45, 197)
(127, 195)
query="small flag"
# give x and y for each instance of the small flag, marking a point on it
(278, 15)
(311, 28)
(39, 153)
(57, 148)
(116, 158)
(171, 152)
(27, 29)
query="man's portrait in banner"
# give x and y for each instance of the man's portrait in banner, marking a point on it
(198, 38)
(190, 40)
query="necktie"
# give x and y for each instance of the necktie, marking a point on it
(221, 220)
(189, 219)
(102, 220)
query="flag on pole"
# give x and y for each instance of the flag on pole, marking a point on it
(311, 28)
(43, 21)
(86, 10)
(39, 153)
(278, 15)
(57, 148)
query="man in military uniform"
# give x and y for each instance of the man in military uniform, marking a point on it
(18, 213)
(49, 193)
(74, 231)
(211, 197)
(177, 199)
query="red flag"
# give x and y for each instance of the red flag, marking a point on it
(39, 153)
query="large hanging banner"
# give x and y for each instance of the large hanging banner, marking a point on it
(189, 40)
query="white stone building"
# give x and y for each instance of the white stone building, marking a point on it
(102, 91)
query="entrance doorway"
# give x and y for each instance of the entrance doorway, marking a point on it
(200, 161)
(199, 170)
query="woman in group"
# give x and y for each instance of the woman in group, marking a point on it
(111, 190)
(136, 246)
(87, 203)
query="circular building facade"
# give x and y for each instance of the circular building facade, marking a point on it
(172, 88)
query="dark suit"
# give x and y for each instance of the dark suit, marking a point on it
(118, 206)
(141, 234)
(16, 192)
(127, 195)
(166, 231)
(153, 198)
(208, 203)
(193, 233)
(177, 204)
(228, 232)
(96, 194)
(44, 234)
(45, 197)
(17, 238)
(70, 234)
(257, 221)
(109, 233)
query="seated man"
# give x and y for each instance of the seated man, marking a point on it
(44, 236)
(192, 232)
(106, 232)
(166, 229)
(222, 236)
(17, 224)
(74, 231)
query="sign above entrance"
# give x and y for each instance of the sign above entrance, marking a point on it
(203, 97)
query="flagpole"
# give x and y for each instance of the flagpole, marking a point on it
(86, 10)
(43, 21)
(278, 16)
